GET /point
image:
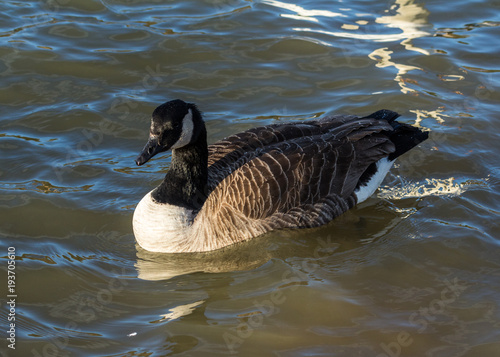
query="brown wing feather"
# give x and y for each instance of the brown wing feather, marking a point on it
(288, 175)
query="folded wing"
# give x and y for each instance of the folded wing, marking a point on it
(288, 175)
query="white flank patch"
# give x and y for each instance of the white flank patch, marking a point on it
(365, 191)
(187, 131)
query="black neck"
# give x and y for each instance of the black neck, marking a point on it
(185, 183)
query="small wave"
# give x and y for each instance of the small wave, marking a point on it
(431, 187)
(42, 187)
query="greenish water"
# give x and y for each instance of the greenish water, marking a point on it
(414, 271)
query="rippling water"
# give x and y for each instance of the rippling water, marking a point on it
(414, 271)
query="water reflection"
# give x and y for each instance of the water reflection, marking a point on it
(383, 57)
(301, 13)
(42, 187)
(435, 114)
(179, 311)
(348, 232)
(160, 266)
(410, 18)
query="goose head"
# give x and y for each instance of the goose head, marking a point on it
(174, 124)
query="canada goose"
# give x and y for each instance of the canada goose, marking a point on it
(287, 175)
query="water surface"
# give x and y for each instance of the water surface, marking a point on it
(414, 271)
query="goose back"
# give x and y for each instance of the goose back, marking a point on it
(287, 176)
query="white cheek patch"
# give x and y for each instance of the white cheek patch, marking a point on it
(187, 131)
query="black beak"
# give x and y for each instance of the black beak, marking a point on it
(151, 149)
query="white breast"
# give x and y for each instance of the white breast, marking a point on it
(161, 227)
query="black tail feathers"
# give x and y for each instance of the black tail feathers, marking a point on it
(404, 136)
